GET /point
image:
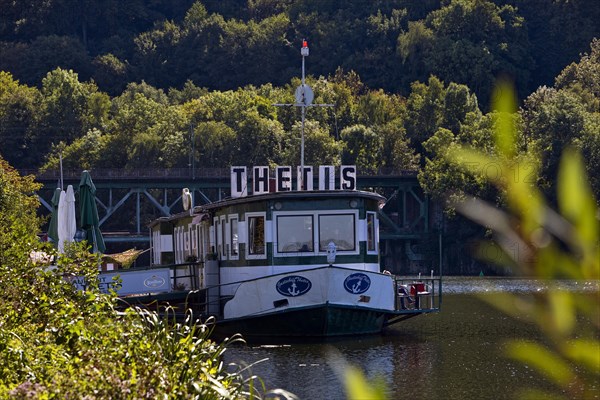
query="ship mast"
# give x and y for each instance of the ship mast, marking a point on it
(304, 98)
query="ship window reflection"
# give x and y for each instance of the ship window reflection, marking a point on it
(371, 232)
(234, 237)
(339, 229)
(295, 234)
(218, 237)
(256, 235)
(224, 239)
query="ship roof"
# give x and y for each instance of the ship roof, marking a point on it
(203, 210)
(292, 195)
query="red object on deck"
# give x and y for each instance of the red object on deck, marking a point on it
(416, 288)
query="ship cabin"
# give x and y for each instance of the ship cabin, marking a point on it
(262, 235)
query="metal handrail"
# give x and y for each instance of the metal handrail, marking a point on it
(418, 294)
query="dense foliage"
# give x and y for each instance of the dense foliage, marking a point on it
(224, 45)
(58, 342)
(551, 119)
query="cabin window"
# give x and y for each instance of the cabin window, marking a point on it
(186, 243)
(218, 237)
(256, 235)
(156, 247)
(175, 243)
(234, 239)
(194, 241)
(295, 234)
(339, 229)
(371, 239)
(224, 240)
(179, 245)
(205, 240)
(199, 241)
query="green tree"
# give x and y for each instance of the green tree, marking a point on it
(19, 222)
(443, 179)
(378, 108)
(362, 147)
(86, 152)
(459, 102)
(424, 109)
(432, 106)
(155, 56)
(377, 61)
(397, 154)
(110, 73)
(559, 33)
(413, 47)
(469, 42)
(188, 92)
(347, 87)
(19, 116)
(69, 109)
(320, 148)
(31, 62)
(582, 81)
(259, 139)
(216, 144)
(135, 112)
(554, 120)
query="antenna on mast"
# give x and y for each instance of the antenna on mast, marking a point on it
(304, 98)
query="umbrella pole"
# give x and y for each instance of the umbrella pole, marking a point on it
(61, 172)
(95, 246)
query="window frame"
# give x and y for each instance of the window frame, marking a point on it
(276, 217)
(248, 237)
(218, 239)
(355, 220)
(231, 218)
(180, 245)
(224, 241)
(316, 232)
(375, 230)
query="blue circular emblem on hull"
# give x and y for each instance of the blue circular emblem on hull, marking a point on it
(357, 283)
(293, 286)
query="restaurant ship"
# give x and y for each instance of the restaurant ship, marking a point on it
(291, 255)
(279, 262)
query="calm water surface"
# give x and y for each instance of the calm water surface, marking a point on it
(455, 354)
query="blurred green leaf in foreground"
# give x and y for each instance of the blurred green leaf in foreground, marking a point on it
(541, 242)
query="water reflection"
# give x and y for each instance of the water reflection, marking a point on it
(462, 285)
(455, 354)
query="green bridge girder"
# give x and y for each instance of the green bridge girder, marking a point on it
(129, 199)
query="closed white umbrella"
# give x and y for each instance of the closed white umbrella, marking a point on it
(71, 214)
(62, 216)
(67, 225)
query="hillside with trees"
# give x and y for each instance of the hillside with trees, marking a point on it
(223, 45)
(140, 84)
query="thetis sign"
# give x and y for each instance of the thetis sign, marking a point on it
(261, 177)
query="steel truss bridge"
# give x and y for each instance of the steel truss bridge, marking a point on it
(128, 199)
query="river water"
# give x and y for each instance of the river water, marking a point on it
(454, 354)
